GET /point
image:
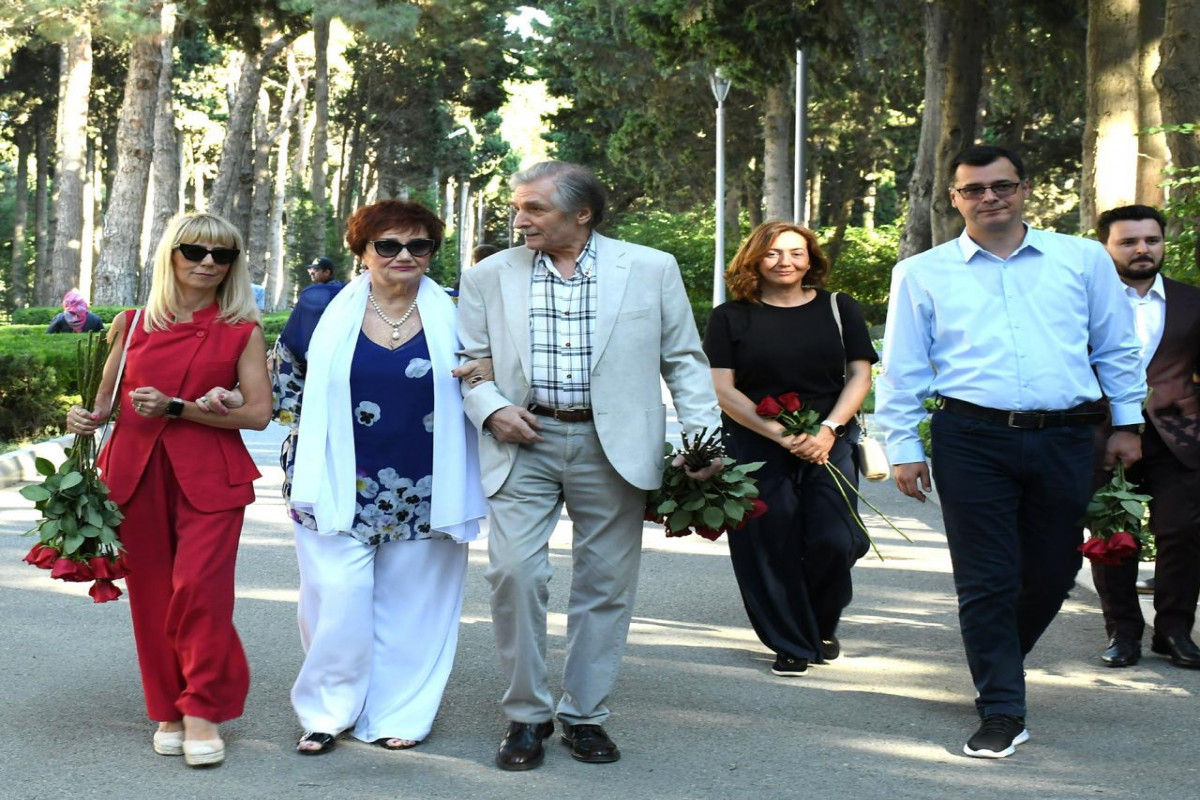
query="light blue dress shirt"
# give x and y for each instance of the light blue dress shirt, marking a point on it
(1012, 334)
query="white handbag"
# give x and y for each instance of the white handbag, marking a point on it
(872, 459)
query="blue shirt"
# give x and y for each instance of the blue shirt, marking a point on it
(1011, 333)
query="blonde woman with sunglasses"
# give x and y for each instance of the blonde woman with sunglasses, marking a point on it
(183, 477)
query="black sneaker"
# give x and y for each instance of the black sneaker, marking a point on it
(831, 648)
(789, 667)
(997, 737)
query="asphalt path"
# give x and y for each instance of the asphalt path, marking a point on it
(696, 711)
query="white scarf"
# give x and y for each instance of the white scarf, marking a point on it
(324, 478)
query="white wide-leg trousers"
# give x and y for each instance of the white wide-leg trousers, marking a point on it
(379, 626)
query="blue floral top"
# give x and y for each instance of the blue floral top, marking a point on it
(391, 394)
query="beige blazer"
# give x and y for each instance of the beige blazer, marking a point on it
(644, 329)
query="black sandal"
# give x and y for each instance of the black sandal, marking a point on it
(385, 743)
(325, 740)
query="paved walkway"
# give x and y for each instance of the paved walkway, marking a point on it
(696, 712)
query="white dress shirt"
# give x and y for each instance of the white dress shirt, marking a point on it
(1150, 313)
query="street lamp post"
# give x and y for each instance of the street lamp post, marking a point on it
(720, 89)
(798, 184)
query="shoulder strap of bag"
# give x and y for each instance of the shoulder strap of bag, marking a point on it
(112, 405)
(837, 317)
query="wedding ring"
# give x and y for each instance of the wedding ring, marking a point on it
(137, 407)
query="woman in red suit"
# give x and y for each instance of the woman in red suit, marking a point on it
(183, 478)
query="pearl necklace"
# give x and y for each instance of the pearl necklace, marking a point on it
(397, 323)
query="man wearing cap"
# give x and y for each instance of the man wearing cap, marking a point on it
(321, 271)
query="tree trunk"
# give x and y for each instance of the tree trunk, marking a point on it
(1110, 143)
(1152, 156)
(167, 167)
(320, 147)
(816, 189)
(869, 194)
(18, 289)
(1178, 83)
(777, 183)
(280, 285)
(917, 236)
(960, 103)
(235, 150)
(116, 278)
(75, 77)
(41, 211)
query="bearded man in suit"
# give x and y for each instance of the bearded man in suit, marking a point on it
(580, 328)
(1168, 326)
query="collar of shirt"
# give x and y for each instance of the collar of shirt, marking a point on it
(1157, 292)
(585, 265)
(969, 247)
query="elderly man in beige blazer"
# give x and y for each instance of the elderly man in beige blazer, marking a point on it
(579, 327)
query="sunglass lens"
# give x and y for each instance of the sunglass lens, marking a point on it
(225, 255)
(386, 248)
(192, 252)
(421, 247)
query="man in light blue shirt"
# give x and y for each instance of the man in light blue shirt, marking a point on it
(1016, 332)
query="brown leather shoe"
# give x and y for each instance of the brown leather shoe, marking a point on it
(521, 747)
(590, 744)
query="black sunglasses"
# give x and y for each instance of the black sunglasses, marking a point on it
(390, 248)
(220, 255)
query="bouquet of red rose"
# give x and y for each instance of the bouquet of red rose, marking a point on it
(77, 534)
(789, 410)
(1114, 520)
(708, 508)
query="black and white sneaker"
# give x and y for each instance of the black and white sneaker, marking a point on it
(789, 667)
(997, 737)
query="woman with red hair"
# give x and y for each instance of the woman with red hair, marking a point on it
(779, 334)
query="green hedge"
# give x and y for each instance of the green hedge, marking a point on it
(42, 315)
(37, 378)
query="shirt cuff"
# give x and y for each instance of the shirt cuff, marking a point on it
(1127, 414)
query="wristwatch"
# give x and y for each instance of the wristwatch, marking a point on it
(837, 429)
(1136, 427)
(174, 407)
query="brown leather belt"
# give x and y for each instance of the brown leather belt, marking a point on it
(1085, 414)
(564, 414)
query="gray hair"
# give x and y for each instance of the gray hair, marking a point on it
(575, 187)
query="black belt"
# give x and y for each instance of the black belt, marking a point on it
(564, 414)
(1085, 414)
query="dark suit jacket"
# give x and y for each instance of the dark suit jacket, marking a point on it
(1174, 404)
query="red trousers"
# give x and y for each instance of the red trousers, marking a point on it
(181, 586)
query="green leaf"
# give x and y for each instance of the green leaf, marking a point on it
(107, 535)
(69, 525)
(48, 529)
(43, 466)
(734, 510)
(71, 479)
(694, 503)
(36, 493)
(90, 532)
(679, 520)
(713, 517)
(1133, 508)
(72, 543)
(667, 506)
(94, 516)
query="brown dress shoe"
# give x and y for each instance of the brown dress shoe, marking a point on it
(590, 744)
(521, 747)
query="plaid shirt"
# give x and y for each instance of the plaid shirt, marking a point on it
(562, 321)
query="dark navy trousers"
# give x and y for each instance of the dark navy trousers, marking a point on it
(1012, 501)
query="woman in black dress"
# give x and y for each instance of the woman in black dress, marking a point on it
(778, 334)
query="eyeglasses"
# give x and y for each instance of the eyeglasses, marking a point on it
(220, 255)
(390, 248)
(1001, 189)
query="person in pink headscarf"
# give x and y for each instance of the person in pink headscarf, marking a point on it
(75, 317)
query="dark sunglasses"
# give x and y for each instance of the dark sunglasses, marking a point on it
(220, 255)
(390, 248)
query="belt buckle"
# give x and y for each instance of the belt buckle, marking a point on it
(1036, 421)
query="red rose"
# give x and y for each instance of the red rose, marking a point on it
(1121, 545)
(119, 567)
(41, 556)
(102, 568)
(1097, 550)
(71, 571)
(759, 508)
(790, 401)
(103, 591)
(768, 407)
(708, 533)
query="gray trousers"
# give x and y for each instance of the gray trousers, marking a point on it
(606, 511)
